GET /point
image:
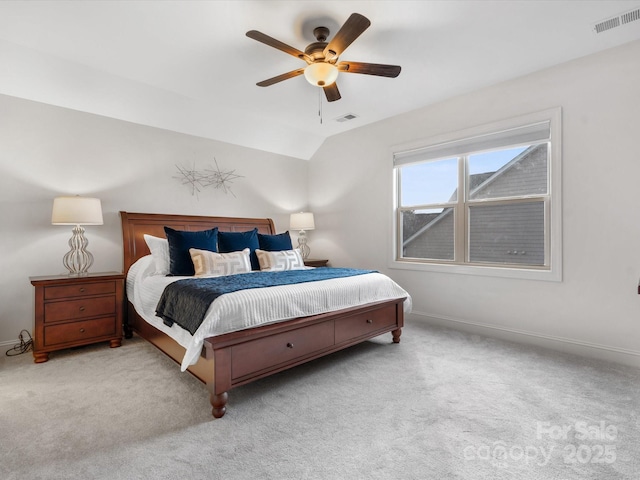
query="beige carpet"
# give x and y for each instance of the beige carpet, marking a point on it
(440, 405)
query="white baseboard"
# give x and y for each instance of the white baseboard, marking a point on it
(566, 345)
(9, 343)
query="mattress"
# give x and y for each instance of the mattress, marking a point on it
(253, 307)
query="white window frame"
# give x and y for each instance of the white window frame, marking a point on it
(478, 137)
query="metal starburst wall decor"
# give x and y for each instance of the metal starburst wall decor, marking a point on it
(196, 180)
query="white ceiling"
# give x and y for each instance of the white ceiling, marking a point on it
(187, 66)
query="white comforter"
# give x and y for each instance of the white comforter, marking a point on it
(258, 306)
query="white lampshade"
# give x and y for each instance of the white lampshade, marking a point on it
(321, 74)
(302, 221)
(76, 211)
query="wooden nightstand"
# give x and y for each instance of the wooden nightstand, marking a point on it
(73, 311)
(314, 262)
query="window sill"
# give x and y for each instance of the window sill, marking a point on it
(552, 275)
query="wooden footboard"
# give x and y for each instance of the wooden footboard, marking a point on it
(247, 355)
(237, 358)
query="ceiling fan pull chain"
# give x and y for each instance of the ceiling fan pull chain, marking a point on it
(320, 104)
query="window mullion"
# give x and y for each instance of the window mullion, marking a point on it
(460, 234)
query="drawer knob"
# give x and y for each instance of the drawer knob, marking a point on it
(289, 345)
(82, 308)
(82, 330)
(369, 320)
(81, 289)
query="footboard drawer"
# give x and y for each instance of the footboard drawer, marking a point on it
(364, 324)
(261, 354)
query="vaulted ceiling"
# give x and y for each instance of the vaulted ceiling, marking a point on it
(188, 66)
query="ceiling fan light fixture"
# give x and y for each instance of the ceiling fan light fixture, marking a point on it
(321, 74)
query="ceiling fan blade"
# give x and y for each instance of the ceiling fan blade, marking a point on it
(378, 69)
(352, 29)
(272, 42)
(279, 78)
(332, 93)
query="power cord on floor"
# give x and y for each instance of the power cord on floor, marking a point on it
(23, 346)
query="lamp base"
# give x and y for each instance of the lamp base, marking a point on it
(302, 245)
(78, 260)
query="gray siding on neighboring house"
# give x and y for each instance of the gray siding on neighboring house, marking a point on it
(507, 233)
(437, 243)
(498, 233)
(524, 175)
(414, 221)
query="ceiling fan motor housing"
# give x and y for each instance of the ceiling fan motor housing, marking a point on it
(315, 50)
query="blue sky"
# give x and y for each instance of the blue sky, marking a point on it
(435, 182)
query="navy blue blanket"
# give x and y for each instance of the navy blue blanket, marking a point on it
(186, 302)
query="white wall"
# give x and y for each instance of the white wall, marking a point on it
(46, 151)
(595, 310)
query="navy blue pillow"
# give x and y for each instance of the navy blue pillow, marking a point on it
(238, 241)
(275, 243)
(179, 244)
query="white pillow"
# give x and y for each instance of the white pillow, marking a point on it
(159, 248)
(280, 260)
(213, 264)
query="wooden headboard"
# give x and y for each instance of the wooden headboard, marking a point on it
(135, 225)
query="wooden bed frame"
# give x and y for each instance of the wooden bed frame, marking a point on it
(237, 358)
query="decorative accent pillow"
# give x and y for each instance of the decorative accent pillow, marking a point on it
(273, 243)
(212, 264)
(237, 241)
(280, 261)
(159, 248)
(179, 244)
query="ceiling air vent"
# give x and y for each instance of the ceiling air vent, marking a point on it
(346, 118)
(631, 16)
(617, 21)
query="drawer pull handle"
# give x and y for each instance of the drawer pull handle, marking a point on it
(82, 308)
(289, 345)
(369, 320)
(82, 330)
(82, 290)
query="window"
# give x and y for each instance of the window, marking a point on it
(485, 201)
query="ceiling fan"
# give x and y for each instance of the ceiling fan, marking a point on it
(322, 57)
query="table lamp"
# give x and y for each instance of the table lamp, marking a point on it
(77, 211)
(302, 221)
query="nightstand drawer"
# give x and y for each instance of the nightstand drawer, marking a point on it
(84, 308)
(98, 288)
(79, 331)
(365, 324)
